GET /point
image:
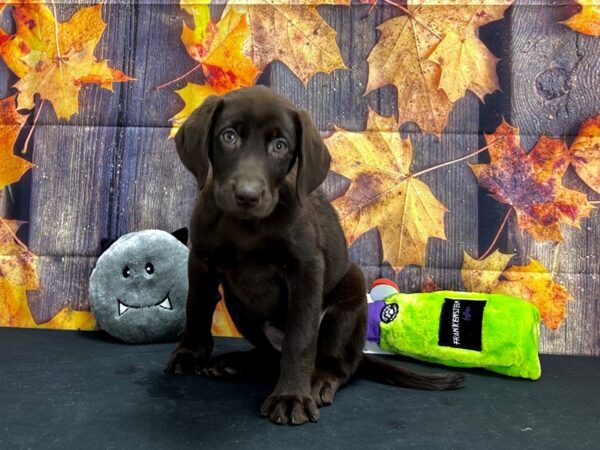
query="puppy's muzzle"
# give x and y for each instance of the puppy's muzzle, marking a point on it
(248, 192)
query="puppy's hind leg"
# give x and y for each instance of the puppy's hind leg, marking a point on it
(341, 336)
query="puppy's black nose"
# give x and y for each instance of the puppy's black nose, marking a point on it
(248, 193)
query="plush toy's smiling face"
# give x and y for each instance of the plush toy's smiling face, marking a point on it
(124, 307)
(149, 279)
(138, 289)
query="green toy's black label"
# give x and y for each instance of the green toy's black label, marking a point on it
(460, 323)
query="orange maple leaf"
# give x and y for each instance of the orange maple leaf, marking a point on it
(432, 56)
(12, 167)
(220, 48)
(4, 3)
(532, 183)
(585, 153)
(534, 284)
(587, 21)
(382, 192)
(222, 325)
(55, 59)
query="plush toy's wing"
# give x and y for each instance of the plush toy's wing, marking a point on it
(182, 235)
(105, 244)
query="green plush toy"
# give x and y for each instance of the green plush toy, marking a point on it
(461, 329)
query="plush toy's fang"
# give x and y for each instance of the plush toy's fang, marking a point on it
(122, 308)
(166, 304)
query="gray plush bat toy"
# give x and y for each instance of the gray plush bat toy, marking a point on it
(138, 289)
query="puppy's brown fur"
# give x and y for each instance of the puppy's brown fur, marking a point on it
(263, 228)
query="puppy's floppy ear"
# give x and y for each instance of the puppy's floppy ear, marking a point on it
(313, 156)
(193, 138)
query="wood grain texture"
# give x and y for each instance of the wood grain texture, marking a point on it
(555, 86)
(101, 175)
(112, 169)
(338, 99)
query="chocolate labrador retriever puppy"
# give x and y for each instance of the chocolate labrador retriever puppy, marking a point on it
(264, 229)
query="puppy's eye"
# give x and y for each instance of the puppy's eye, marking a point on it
(279, 146)
(126, 272)
(229, 136)
(149, 268)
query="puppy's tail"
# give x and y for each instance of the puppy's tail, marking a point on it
(380, 371)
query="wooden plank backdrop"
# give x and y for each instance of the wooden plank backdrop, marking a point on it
(112, 169)
(555, 86)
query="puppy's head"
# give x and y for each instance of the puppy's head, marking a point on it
(253, 138)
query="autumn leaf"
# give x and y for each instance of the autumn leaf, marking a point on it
(382, 193)
(465, 61)
(232, 53)
(222, 325)
(432, 56)
(70, 319)
(293, 33)
(483, 275)
(17, 263)
(12, 167)
(534, 284)
(55, 59)
(429, 285)
(587, 21)
(193, 95)
(18, 275)
(14, 312)
(532, 183)
(4, 3)
(220, 48)
(585, 153)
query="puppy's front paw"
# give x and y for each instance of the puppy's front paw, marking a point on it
(187, 360)
(293, 409)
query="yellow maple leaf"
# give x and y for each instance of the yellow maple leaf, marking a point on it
(55, 59)
(465, 61)
(587, 21)
(405, 57)
(12, 167)
(534, 284)
(293, 33)
(585, 152)
(220, 48)
(382, 193)
(14, 312)
(17, 263)
(483, 275)
(18, 274)
(70, 319)
(192, 95)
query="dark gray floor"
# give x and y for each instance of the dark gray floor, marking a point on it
(63, 389)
